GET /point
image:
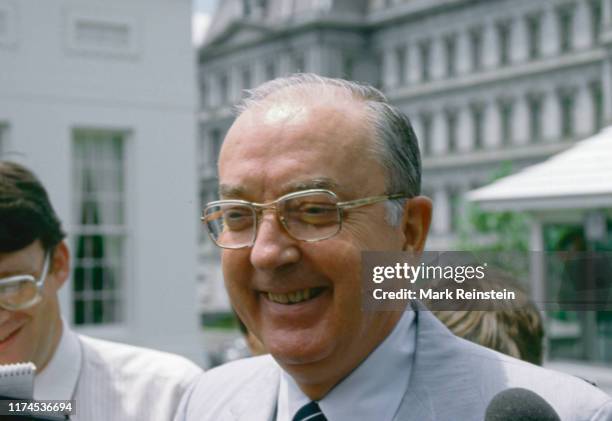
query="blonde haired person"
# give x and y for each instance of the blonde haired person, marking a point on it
(513, 328)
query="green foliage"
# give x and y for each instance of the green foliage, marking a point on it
(220, 321)
(493, 231)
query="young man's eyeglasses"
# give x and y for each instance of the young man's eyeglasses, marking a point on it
(19, 292)
(308, 215)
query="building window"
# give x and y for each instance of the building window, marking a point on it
(270, 70)
(299, 63)
(597, 100)
(451, 130)
(503, 42)
(477, 125)
(400, 60)
(348, 66)
(379, 63)
(216, 140)
(534, 103)
(596, 20)
(454, 204)
(506, 113)
(566, 106)
(264, 7)
(204, 94)
(89, 33)
(566, 28)
(246, 8)
(426, 127)
(223, 89)
(202, 158)
(450, 49)
(534, 35)
(476, 42)
(246, 78)
(100, 232)
(425, 54)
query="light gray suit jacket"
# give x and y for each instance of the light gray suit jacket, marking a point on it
(452, 379)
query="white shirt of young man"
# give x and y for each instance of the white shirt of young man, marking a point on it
(111, 381)
(374, 390)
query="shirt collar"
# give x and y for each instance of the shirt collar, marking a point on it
(385, 372)
(59, 378)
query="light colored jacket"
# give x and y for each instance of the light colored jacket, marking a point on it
(452, 379)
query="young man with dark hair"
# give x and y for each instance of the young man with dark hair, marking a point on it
(109, 381)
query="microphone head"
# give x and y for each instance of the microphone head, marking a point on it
(518, 404)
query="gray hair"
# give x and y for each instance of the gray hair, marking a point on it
(395, 143)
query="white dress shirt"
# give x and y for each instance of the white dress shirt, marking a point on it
(112, 381)
(59, 378)
(373, 391)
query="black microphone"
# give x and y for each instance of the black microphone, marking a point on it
(518, 404)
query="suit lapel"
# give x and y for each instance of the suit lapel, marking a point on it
(441, 386)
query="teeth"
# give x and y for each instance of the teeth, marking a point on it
(278, 298)
(295, 297)
(292, 297)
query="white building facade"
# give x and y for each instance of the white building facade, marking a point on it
(97, 98)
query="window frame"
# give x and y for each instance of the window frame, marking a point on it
(107, 232)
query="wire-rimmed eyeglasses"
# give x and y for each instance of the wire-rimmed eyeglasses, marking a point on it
(307, 215)
(19, 292)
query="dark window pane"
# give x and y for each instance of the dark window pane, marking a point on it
(566, 28)
(425, 53)
(98, 311)
(78, 279)
(79, 312)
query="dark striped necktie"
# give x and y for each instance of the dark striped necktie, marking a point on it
(310, 412)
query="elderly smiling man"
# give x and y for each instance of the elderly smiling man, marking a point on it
(313, 172)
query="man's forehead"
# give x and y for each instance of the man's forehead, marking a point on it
(288, 145)
(17, 263)
(297, 105)
(299, 127)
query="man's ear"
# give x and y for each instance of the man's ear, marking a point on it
(415, 223)
(60, 265)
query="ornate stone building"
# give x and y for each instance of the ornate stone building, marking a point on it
(484, 82)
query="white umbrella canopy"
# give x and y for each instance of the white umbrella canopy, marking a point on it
(577, 178)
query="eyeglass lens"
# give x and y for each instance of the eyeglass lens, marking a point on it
(18, 294)
(309, 217)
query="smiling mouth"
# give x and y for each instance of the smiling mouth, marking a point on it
(9, 335)
(296, 296)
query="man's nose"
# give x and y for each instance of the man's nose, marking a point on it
(273, 246)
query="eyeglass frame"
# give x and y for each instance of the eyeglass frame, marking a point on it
(258, 209)
(39, 283)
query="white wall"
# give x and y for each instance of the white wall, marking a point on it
(142, 82)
